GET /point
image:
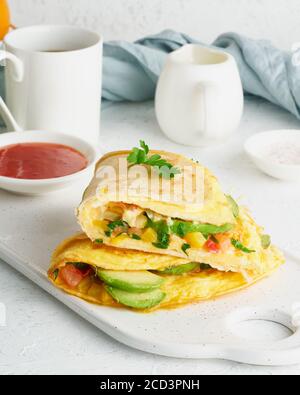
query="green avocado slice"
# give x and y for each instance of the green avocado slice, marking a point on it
(234, 205)
(136, 282)
(266, 241)
(182, 269)
(141, 301)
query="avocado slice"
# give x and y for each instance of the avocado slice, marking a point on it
(136, 282)
(266, 241)
(234, 205)
(182, 269)
(140, 301)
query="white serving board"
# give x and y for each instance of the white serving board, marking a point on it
(31, 228)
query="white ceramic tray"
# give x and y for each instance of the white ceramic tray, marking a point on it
(30, 228)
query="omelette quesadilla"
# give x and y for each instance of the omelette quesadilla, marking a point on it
(144, 249)
(113, 277)
(217, 232)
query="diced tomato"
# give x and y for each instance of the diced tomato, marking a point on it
(212, 246)
(71, 275)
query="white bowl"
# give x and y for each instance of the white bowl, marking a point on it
(40, 187)
(258, 148)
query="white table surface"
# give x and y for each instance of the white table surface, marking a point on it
(43, 337)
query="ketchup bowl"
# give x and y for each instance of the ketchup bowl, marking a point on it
(43, 162)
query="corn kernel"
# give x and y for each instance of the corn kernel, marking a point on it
(101, 224)
(119, 239)
(195, 240)
(149, 236)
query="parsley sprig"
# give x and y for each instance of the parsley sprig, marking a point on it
(140, 156)
(55, 274)
(185, 248)
(163, 233)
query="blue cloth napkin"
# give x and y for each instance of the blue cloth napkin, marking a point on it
(131, 70)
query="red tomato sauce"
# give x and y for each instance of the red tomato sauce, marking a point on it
(40, 161)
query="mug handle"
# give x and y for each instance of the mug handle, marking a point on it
(17, 74)
(200, 110)
(17, 69)
(8, 119)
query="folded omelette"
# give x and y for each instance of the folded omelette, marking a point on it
(113, 277)
(144, 252)
(218, 232)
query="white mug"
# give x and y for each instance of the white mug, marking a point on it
(53, 79)
(199, 97)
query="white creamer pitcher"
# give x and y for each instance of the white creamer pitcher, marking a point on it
(199, 97)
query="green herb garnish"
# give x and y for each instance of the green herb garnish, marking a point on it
(239, 246)
(163, 241)
(114, 225)
(117, 224)
(140, 156)
(144, 146)
(136, 237)
(185, 247)
(234, 205)
(265, 241)
(99, 241)
(55, 274)
(181, 229)
(163, 233)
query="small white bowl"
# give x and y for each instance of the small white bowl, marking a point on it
(40, 187)
(258, 149)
